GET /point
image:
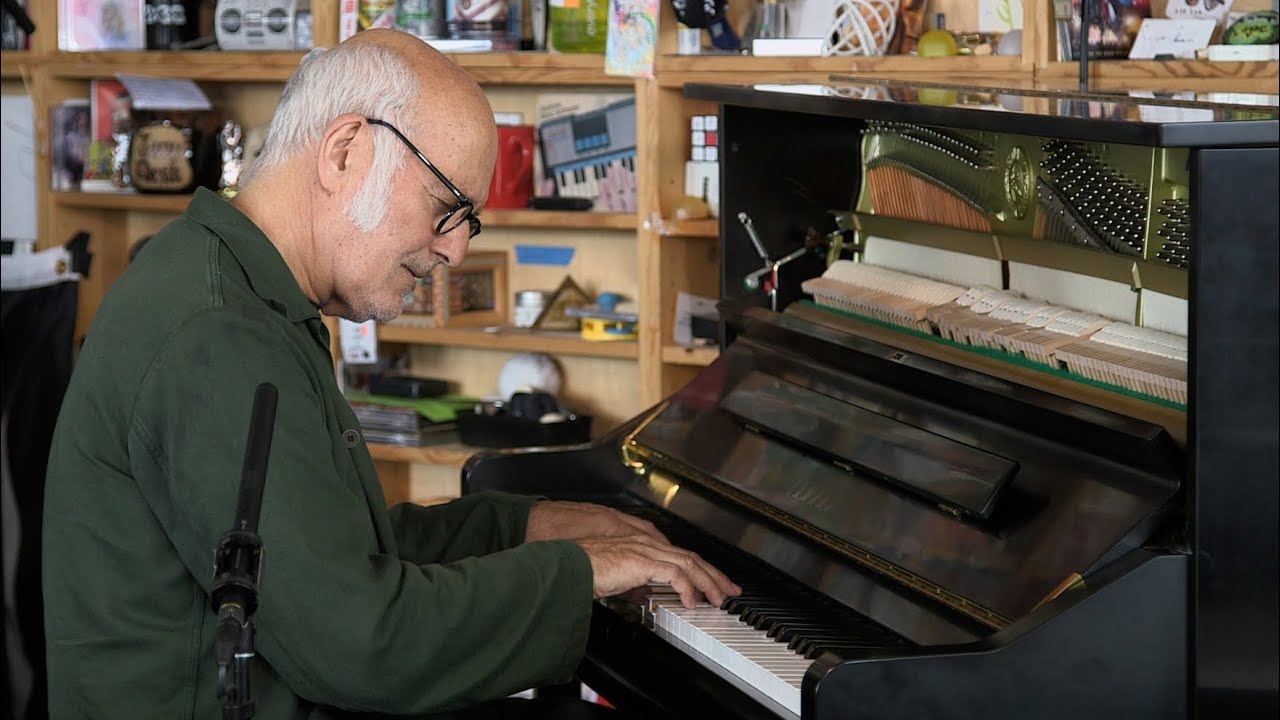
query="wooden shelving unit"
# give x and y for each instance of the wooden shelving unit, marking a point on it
(508, 339)
(667, 256)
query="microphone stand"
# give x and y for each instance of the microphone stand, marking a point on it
(237, 566)
(1085, 23)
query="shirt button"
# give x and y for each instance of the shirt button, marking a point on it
(351, 438)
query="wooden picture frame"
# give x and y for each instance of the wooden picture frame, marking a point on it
(474, 294)
(553, 317)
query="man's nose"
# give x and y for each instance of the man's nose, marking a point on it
(452, 246)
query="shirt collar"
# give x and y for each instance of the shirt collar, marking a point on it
(267, 271)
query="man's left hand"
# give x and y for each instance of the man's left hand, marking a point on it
(557, 520)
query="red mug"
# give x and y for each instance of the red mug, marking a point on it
(512, 185)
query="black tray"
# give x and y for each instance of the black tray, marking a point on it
(505, 431)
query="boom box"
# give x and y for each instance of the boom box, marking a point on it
(255, 24)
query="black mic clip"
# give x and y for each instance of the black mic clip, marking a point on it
(237, 568)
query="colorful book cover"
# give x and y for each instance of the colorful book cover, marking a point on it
(110, 111)
(633, 36)
(1115, 25)
(68, 143)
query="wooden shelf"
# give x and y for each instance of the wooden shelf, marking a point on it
(453, 454)
(563, 219)
(538, 68)
(704, 228)
(1257, 77)
(160, 203)
(676, 70)
(512, 68)
(212, 65)
(107, 200)
(510, 340)
(13, 62)
(698, 357)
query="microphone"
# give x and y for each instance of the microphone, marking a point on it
(237, 565)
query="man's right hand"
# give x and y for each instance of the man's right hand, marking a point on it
(619, 564)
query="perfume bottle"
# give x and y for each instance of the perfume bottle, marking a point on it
(938, 42)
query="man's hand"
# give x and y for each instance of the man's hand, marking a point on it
(555, 520)
(619, 564)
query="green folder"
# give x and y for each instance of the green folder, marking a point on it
(440, 409)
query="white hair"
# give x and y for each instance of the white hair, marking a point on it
(355, 78)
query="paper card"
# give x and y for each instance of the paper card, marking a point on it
(999, 15)
(151, 93)
(1188, 9)
(687, 306)
(18, 179)
(1179, 38)
(633, 36)
(359, 341)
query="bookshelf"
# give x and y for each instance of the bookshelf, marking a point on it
(648, 252)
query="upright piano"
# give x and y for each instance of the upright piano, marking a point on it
(993, 429)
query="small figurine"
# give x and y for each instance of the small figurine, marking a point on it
(231, 145)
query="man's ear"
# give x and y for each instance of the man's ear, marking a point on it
(344, 148)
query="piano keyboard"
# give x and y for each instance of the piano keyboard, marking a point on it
(767, 637)
(759, 661)
(609, 179)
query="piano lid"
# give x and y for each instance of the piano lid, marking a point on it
(969, 489)
(1097, 117)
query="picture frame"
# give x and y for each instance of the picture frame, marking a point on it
(88, 25)
(474, 294)
(554, 316)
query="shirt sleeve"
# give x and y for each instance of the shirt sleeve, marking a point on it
(470, 526)
(341, 622)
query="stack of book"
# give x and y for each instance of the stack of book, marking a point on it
(408, 422)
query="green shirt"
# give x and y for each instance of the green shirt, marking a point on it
(405, 611)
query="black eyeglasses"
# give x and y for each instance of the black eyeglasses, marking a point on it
(465, 210)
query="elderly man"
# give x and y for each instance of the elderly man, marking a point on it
(376, 161)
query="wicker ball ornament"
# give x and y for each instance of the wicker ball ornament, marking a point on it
(862, 27)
